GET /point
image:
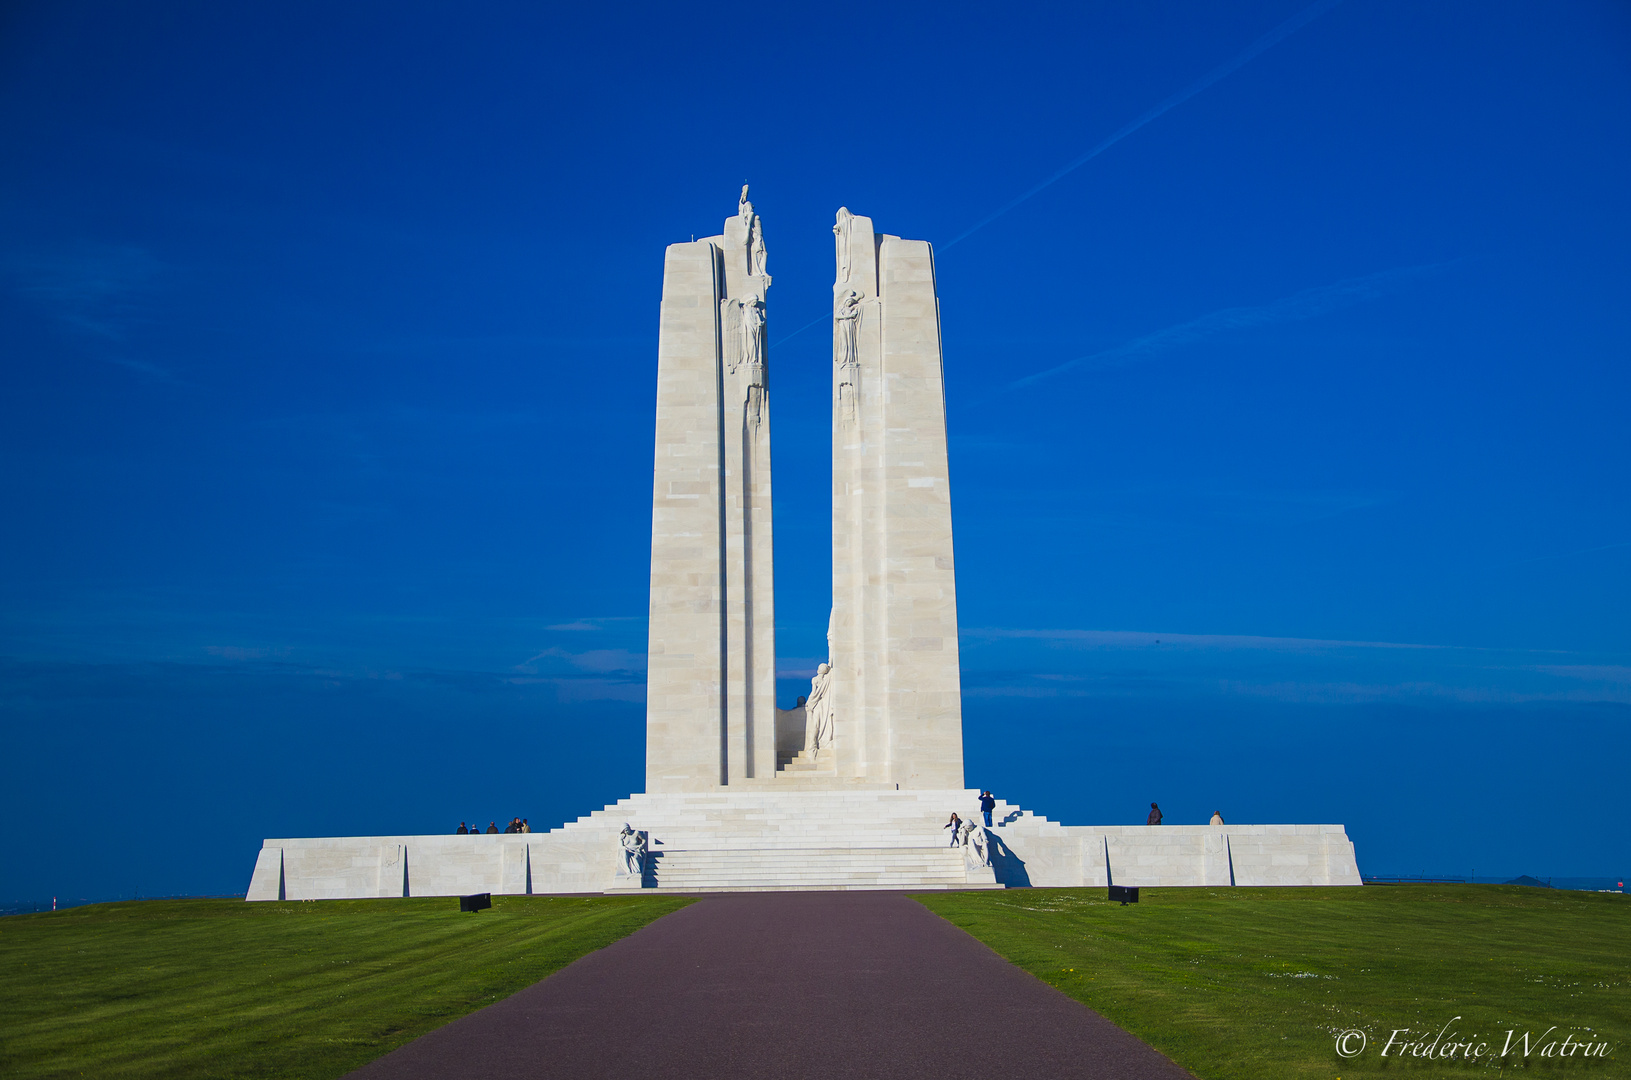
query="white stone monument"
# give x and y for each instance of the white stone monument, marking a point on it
(850, 789)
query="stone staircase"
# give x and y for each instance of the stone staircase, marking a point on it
(794, 868)
(777, 835)
(801, 764)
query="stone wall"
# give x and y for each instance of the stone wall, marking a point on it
(711, 680)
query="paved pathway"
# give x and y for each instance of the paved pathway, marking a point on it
(784, 986)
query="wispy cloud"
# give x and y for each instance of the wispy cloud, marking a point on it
(246, 652)
(603, 661)
(90, 288)
(1561, 555)
(99, 293)
(1133, 638)
(798, 667)
(1607, 673)
(1307, 304)
(1000, 662)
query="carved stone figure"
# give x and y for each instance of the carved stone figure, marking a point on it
(742, 322)
(841, 231)
(756, 250)
(633, 844)
(753, 339)
(753, 355)
(730, 338)
(846, 314)
(974, 843)
(744, 209)
(818, 713)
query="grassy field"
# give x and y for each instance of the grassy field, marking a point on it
(221, 988)
(1248, 984)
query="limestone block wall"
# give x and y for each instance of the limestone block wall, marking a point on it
(685, 681)
(711, 680)
(897, 700)
(861, 748)
(922, 685)
(1042, 853)
(333, 868)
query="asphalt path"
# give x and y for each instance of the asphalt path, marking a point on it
(801, 986)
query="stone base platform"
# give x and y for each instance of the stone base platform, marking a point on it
(763, 839)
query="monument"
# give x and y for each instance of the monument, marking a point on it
(851, 788)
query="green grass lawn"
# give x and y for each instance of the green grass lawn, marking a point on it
(1255, 984)
(221, 988)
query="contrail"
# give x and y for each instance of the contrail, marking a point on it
(1307, 304)
(799, 331)
(1268, 40)
(1285, 29)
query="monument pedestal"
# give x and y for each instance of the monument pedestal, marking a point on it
(761, 838)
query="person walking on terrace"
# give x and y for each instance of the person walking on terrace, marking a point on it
(1155, 815)
(462, 829)
(492, 827)
(987, 804)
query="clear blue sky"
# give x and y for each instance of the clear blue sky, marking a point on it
(327, 368)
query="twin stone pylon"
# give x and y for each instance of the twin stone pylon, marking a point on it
(890, 707)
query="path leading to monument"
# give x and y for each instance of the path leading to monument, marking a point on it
(785, 986)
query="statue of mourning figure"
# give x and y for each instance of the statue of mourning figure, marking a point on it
(631, 853)
(754, 237)
(818, 714)
(975, 844)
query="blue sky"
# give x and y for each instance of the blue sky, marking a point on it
(1288, 432)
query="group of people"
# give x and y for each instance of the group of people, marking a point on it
(988, 803)
(1155, 816)
(516, 825)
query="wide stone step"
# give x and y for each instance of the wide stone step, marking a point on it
(715, 868)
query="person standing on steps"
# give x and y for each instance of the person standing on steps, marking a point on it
(1155, 815)
(955, 825)
(987, 804)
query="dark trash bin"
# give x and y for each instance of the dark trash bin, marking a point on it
(482, 900)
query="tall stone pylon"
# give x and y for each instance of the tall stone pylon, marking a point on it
(894, 692)
(711, 683)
